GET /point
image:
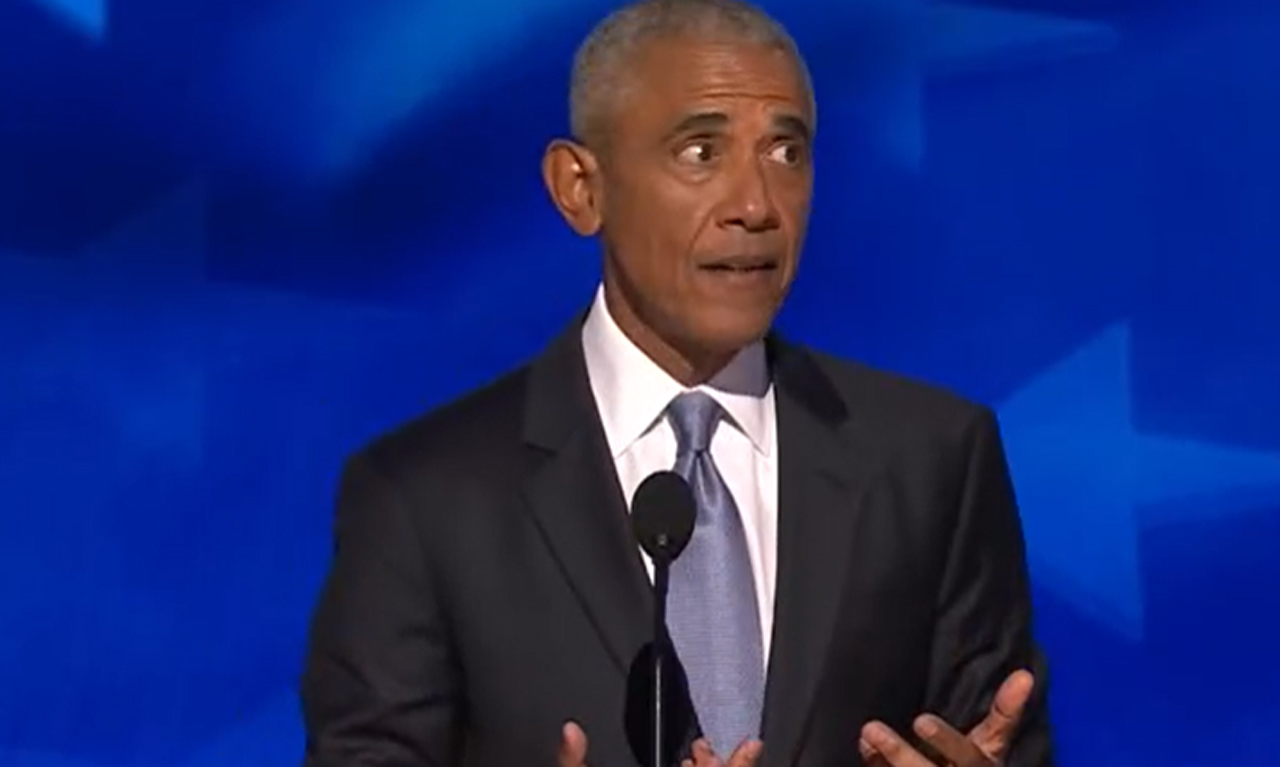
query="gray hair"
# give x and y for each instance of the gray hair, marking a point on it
(604, 57)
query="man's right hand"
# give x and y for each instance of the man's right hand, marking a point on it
(573, 751)
(573, 746)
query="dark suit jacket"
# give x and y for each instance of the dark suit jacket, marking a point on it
(486, 588)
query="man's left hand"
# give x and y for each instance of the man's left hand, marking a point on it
(985, 746)
(745, 755)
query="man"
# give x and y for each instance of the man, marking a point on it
(856, 588)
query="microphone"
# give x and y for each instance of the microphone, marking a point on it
(663, 514)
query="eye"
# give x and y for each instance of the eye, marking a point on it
(789, 153)
(698, 152)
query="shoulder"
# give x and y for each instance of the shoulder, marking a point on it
(932, 437)
(468, 435)
(898, 404)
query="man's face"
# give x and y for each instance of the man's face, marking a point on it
(705, 183)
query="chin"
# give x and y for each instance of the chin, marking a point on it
(726, 332)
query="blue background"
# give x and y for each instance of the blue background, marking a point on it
(239, 237)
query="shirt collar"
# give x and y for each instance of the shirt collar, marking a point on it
(632, 392)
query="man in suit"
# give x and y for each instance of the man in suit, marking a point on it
(856, 589)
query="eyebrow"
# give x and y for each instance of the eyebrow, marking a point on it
(699, 122)
(794, 125)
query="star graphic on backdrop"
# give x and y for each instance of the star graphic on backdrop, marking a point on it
(1087, 480)
(67, 322)
(142, 291)
(384, 63)
(87, 17)
(943, 40)
(118, 364)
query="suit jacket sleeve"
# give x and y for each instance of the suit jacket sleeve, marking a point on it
(380, 684)
(984, 626)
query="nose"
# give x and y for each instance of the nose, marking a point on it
(749, 205)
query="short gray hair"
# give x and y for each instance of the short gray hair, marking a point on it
(603, 58)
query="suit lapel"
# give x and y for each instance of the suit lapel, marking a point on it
(822, 471)
(577, 502)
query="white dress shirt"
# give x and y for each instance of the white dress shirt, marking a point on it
(632, 394)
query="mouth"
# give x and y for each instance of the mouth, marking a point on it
(741, 265)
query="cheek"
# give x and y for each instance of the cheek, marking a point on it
(656, 233)
(792, 193)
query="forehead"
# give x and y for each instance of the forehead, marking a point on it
(671, 77)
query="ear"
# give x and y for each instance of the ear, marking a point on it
(571, 173)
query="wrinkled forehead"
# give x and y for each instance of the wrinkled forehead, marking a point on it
(671, 78)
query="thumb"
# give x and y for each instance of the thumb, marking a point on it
(573, 746)
(746, 754)
(992, 734)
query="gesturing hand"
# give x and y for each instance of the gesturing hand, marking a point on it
(573, 751)
(985, 746)
(573, 746)
(744, 755)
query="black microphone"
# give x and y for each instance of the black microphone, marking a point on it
(659, 711)
(663, 514)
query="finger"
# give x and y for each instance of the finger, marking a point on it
(890, 747)
(952, 746)
(993, 733)
(703, 756)
(867, 750)
(870, 756)
(573, 746)
(746, 754)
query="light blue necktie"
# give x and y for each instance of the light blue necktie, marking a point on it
(712, 612)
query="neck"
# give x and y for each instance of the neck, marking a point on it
(687, 365)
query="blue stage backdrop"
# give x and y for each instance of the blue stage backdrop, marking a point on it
(240, 237)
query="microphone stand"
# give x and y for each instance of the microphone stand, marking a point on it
(661, 577)
(663, 515)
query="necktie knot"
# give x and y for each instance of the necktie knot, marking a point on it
(693, 417)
